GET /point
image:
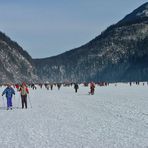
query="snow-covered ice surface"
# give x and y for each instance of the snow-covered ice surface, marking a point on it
(115, 117)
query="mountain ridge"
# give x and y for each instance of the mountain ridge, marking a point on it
(119, 53)
(134, 30)
(16, 64)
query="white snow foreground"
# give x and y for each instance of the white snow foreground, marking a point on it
(115, 117)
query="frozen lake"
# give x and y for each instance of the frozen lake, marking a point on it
(114, 117)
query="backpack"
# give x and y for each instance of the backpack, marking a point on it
(23, 91)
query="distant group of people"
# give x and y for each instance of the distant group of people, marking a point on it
(9, 92)
(24, 91)
(137, 83)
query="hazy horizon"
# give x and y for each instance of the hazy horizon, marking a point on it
(46, 28)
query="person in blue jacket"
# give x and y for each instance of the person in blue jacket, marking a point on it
(9, 92)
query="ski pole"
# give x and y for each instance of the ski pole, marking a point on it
(3, 102)
(13, 101)
(18, 101)
(29, 101)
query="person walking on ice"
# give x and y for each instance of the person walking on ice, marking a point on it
(24, 91)
(76, 87)
(9, 92)
(92, 88)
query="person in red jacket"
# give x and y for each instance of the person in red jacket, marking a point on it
(92, 88)
(24, 91)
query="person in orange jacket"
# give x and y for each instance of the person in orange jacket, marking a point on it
(24, 92)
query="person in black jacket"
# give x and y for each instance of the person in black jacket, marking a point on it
(76, 87)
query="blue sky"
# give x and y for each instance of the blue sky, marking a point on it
(49, 27)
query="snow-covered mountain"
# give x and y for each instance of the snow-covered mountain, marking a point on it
(138, 14)
(16, 64)
(120, 53)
